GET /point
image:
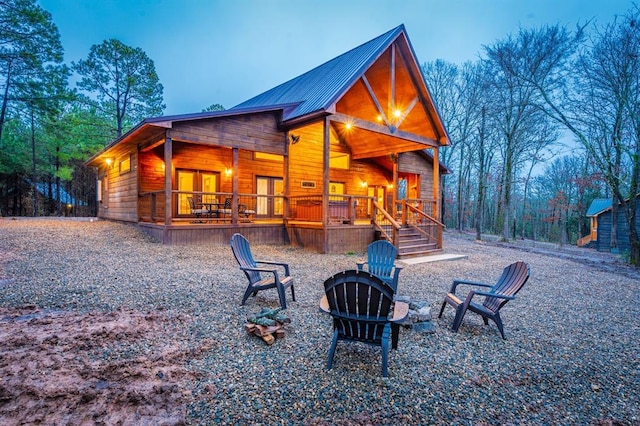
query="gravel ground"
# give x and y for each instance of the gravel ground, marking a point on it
(571, 356)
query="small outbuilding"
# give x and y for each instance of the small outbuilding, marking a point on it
(600, 213)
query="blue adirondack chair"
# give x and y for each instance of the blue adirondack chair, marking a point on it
(508, 285)
(361, 306)
(273, 279)
(381, 257)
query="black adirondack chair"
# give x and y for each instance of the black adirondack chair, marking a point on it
(381, 257)
(362, 308)
(272, 279)
(509, 284)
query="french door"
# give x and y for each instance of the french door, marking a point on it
(270, 191)
(195, 181)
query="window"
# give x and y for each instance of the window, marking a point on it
(271, 189)
(339, 160)
(190, 181)
(268, 157)
(125, 165)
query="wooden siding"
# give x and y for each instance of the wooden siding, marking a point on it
(120, 200)
(305, 164)
(253, 132)
(198, 235)
(413, 162)
(331, 239)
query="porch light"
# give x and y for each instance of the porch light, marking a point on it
(109, 161)
(397, 113)
(363, 184)
(228, 172)
(347, 126)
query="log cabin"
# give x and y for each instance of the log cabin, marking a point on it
(330, 161)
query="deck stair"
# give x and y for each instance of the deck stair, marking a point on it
(411, 243)
(412, 231)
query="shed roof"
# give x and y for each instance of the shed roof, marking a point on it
(598, 206)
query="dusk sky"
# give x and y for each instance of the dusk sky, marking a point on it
(224, 52)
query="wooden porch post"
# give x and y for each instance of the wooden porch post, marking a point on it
(285, 175)
(436, 184)
(168, 167)
(394, 193)
(234, 187)
(325, 180)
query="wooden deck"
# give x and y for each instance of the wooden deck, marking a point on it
(335, 238)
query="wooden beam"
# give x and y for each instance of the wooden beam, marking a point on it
(436, 185)
(373, 127)
(375, 100)
(326, 145)
(285, 175)
(235, 186)
(152, 145)
(419, 83)
(406, 111)
(168, 156)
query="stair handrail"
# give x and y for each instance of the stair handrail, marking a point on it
(423, 214)
(440, 225)
(395, 225)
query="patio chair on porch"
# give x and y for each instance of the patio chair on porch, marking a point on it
(381, 257)
(273, 278)
(362, 308)
(226, 210)
(246, 212)
(197, 211)
(510, 282)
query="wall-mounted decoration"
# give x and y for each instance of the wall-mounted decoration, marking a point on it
(308, 184)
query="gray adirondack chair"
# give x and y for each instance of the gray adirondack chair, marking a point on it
(257, 282)
(362, 308)
(508, 285)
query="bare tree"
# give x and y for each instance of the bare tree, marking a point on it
(602, 106)
(515, 113)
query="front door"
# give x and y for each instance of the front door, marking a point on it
(270, 191)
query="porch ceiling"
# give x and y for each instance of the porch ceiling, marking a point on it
(369, 140)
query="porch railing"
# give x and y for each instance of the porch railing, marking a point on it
(223, 206)
(343, 208)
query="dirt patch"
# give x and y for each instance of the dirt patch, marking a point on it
(61, 367)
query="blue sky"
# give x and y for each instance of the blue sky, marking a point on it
(212, 51)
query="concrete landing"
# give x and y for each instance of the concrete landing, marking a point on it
(433, 258)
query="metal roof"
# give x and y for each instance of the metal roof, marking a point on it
(599, 205)
(317, 89)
